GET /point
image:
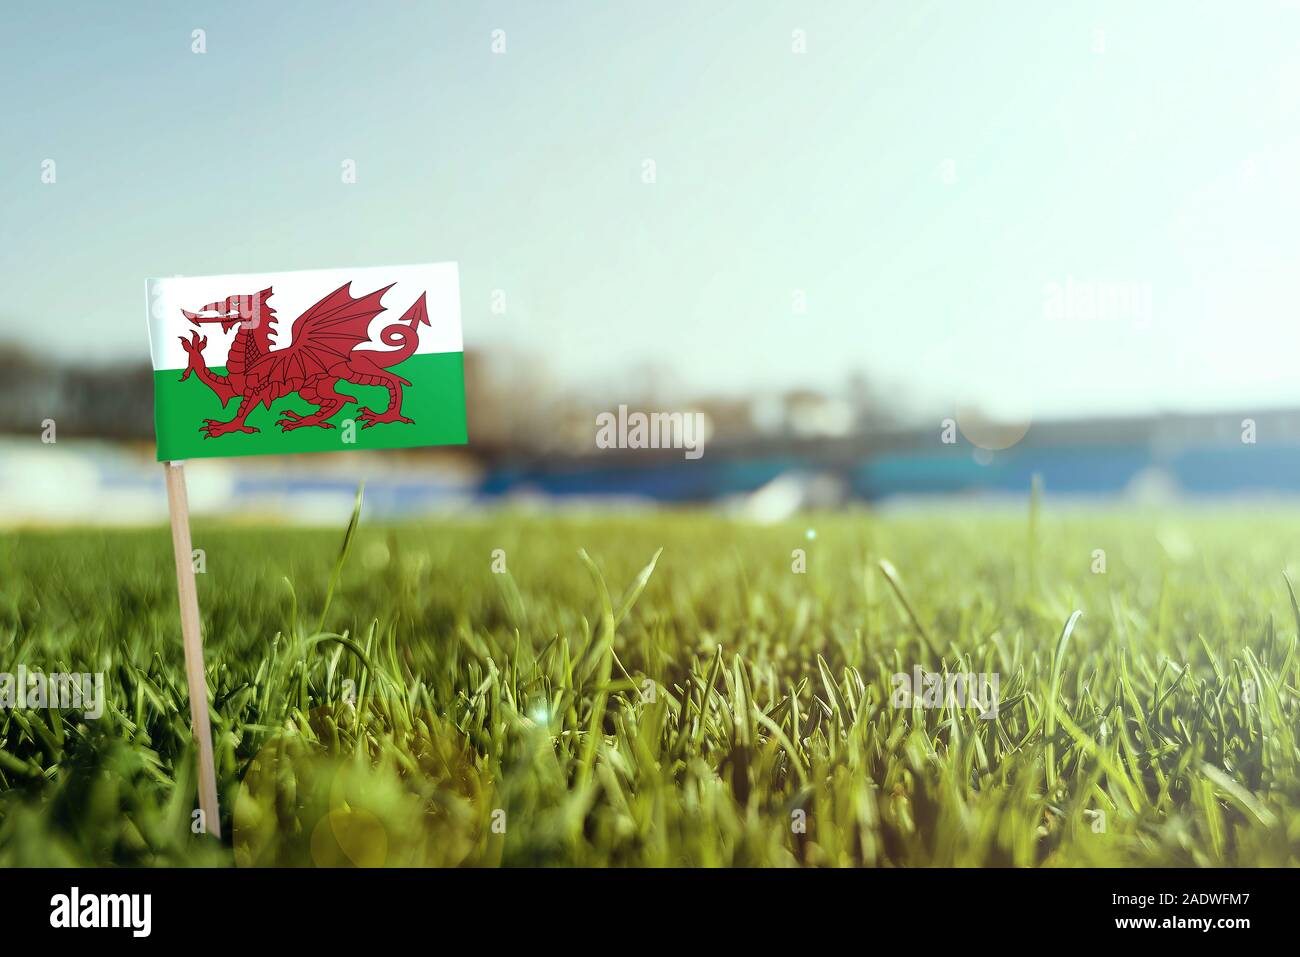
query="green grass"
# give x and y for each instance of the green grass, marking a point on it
(598, 706)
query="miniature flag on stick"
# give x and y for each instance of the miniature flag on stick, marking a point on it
(328, 360)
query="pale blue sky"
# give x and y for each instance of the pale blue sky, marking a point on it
(1157, 157)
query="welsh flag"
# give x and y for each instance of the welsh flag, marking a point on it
(328, 360)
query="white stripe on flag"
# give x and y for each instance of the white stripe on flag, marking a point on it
(295, 293)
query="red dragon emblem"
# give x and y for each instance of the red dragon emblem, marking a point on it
(322, 354)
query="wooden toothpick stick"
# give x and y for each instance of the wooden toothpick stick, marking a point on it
(179, 506)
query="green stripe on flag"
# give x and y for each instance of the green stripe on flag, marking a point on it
(435, 399)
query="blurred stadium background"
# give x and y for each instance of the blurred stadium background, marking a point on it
(766, 456)
(826, 227)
